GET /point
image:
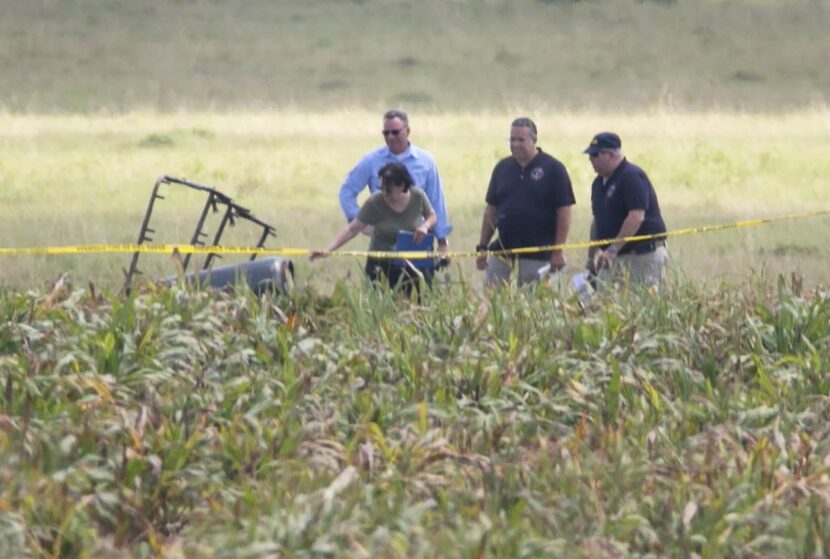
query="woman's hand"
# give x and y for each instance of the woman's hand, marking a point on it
(420, 232)
(346, 234)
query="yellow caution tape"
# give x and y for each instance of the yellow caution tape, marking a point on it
(150, 248)
(191, 249)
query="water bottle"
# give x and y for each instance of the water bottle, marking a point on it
(581, 284)
(552, 278)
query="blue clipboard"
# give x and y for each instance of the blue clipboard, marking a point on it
(404, 243)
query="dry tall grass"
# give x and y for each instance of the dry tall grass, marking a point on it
(76, 179)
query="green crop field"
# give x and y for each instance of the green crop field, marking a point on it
(343, 421)
(178, 424)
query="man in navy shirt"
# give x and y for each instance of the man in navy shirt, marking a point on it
(624, 204)
(419, 163)
(529, 202)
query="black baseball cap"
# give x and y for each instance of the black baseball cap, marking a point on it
(603, 140)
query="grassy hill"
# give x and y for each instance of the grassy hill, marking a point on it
(443, 55)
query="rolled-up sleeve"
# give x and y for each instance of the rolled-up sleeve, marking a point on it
(357, 179)
(435, 192)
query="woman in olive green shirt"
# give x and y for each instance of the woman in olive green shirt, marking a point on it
(399, 206)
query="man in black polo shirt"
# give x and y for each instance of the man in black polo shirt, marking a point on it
(529, 201)
(624, 204)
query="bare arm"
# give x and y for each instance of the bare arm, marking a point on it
(591, 263)
(592, 251)
(488, 227)
(563, 226)
(629, 228)
(346, 234)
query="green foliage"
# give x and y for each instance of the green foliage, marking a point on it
(156, 140)
(360, 424)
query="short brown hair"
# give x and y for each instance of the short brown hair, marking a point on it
(396, 113)
(524, 122)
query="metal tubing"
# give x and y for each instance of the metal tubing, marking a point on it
(142, 235)
(228, 217)
(214, 198)
(197, 234)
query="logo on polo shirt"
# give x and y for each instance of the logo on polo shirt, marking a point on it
(611, 189)
(537, 173)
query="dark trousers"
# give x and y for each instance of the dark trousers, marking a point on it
(397, 277)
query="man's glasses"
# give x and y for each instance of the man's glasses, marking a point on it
(393, 132)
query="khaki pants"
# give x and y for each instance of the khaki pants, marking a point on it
(499, 269)
(637, 269)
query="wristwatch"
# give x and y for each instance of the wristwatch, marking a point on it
(481, 248)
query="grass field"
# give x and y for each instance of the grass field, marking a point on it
(341, 421)
(87, 180)
(722, 103)
(454, 55)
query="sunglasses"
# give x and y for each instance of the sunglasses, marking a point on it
(393, 132)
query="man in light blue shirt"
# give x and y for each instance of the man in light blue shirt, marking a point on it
(419, 162)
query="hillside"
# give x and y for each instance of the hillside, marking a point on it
(89, 55)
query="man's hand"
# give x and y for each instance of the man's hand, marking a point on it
(444, 248)
(607, 257)
(557, 260)
(604, 260)
(591, 265)
(481, 259)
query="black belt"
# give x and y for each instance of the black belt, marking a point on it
(643, 247)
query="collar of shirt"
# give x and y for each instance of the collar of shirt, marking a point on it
(410, 151)
(529, 163)
(616, 172)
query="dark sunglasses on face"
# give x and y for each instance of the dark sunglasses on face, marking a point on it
(393, 132)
